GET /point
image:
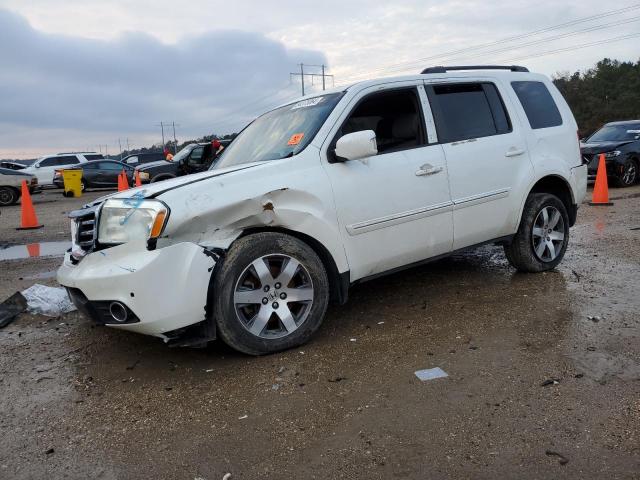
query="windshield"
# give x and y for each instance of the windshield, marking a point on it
(280, 133)
(616, 133)
(183, 153)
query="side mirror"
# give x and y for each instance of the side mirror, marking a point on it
(356, 145)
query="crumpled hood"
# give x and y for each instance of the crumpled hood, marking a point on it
(154, 190)
(601, 147)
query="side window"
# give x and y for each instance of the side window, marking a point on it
(94, 156)
(67, 161)
(538, 104)
(394, 115)
(90, 166)
(468, 110)
(132, 160)
(196, 156)
(49, 162)
(110, 166)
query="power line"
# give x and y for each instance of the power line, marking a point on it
(576, 47)
(446, 55)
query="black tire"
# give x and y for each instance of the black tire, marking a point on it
(83, 186)
(8, 196)
(235, 266)
(629, 174)
(521, 252)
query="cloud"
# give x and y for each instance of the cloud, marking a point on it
(102, 89)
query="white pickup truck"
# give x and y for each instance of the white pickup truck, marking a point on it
(328, 191)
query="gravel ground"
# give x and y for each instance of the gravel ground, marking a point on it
(544, 376)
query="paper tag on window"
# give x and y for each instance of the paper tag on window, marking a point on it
(295, 139)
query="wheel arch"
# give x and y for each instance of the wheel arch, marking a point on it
(338, 282)
(558, 186)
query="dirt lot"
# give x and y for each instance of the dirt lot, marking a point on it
(87, 402)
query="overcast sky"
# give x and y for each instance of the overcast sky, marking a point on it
(78, 73)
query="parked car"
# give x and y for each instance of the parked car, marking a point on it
(139, 158)
(329, 191)
(194, 158)
(98, 174)
(12, 165)
(11, 185)
(620, 143)
(44, 167)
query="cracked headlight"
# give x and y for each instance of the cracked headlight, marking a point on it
(125, 219)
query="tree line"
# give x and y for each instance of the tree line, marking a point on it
(610, 91)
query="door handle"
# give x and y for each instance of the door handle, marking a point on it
(428, 169)
(514, 152)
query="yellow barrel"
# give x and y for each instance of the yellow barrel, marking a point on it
(72, 179)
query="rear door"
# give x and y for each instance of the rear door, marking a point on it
(107, 173)
(487, 158)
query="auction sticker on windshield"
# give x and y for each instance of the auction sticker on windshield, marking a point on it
(312, 102)
(295, 139)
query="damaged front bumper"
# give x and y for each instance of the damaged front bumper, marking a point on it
(161, 290)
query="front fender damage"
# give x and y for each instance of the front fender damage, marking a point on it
(219, 227)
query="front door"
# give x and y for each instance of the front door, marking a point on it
(394, 208)
(486, 156)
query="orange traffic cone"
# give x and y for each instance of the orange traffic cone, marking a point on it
(28, 219)
(122, 182)
(601, 188)
(138, 181)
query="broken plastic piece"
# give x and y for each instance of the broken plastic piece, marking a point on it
(431, 374)
(49, 301)
(11, 307)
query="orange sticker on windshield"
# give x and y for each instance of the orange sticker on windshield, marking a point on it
(295, 139)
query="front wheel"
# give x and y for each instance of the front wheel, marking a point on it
(543, 234)
(271, 294)
(628, 175)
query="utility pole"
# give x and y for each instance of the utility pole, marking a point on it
(128, 145)
(175, 142)
(120, 145)
(312, 75)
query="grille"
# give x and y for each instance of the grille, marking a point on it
(86, 231)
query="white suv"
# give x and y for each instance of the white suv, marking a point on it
(44, 168)
(328, 191)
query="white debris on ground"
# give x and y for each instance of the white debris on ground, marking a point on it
(431, 373)
(49, 301)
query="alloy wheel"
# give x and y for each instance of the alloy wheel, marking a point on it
(629, 173)
(273, 296)
(548, 234)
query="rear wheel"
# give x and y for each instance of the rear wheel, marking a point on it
(628, 175)
(271, 294)
(543, 234)
(8, 196)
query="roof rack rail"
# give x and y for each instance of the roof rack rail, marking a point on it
(513, 68)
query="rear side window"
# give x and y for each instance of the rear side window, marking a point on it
(468, 110)
(68, 160)
(538, 104)
(94, 156)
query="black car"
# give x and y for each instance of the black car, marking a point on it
(99, 174)
(138, 158)
(195, 157)
(620, 143)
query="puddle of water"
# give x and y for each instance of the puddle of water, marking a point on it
(32, 250)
